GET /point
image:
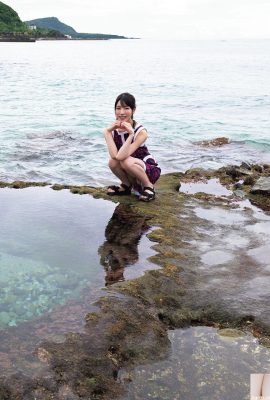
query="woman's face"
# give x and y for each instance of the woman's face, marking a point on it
(123, 112)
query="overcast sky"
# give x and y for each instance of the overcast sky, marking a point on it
(181, 19)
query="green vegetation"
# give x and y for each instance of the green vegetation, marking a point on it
(10, 21)
(13, 29)
(55, 24)
(101, 36)
(52, 23)
(47, 33)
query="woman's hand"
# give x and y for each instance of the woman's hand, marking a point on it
(113, 126)
(120, 125)
(127, 126)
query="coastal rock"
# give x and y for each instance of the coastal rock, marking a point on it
(237, 172)
(258, 168)
(262, 186)
(217, 142)
(249, 180)
(246, 165)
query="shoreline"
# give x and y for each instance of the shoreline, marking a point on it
(132, 319)
(16, 39)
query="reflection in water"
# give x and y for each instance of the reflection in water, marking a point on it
(120, 249)
(48, 252)
(212, 186)
(50, 275)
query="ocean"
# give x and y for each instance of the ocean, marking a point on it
(56, 97)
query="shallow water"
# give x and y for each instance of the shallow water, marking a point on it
(48, 249)
(202, 365)
(226, 261)
(58, 251)
(211, 186)
(233, 257)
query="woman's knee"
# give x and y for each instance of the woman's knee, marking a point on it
(113, 164)
(127, 163)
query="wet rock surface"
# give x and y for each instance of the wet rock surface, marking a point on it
(213, 271)
(262, 186)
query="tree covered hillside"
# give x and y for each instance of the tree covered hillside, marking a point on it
(11, 26)
(52, 23)
(13, 29)
(10, 21)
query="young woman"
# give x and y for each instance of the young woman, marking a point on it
(130, 159)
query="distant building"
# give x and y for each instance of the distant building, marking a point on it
(32, 27)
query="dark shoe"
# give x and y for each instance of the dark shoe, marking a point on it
(148, 194)
(122, 190)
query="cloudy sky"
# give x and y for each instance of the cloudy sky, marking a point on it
(181, 19)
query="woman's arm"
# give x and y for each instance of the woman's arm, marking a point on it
(128, 147)
(109, 138)
(110, 143)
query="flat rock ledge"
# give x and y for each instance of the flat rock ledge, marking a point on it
(131, 322)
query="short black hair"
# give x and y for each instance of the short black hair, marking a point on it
(126, 99)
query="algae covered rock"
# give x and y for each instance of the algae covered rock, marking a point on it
(217, 142)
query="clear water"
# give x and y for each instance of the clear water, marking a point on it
(212, 186)
(56, 98)
(48, 252)
(202, 365)
(52, 246)
(58, 251)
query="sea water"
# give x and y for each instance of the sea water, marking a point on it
(56, 97)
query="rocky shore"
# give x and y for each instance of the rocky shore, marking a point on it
(212, 258)
(16, 37)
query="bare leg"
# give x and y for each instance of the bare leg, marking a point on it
(118, 171)
(135, 167)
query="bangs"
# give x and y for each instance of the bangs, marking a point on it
(126, 100)
(122, 103)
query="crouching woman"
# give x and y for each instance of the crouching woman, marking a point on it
(130, 159)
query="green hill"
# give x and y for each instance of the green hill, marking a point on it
(10, 21)
(54, 23)
(12, 27)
